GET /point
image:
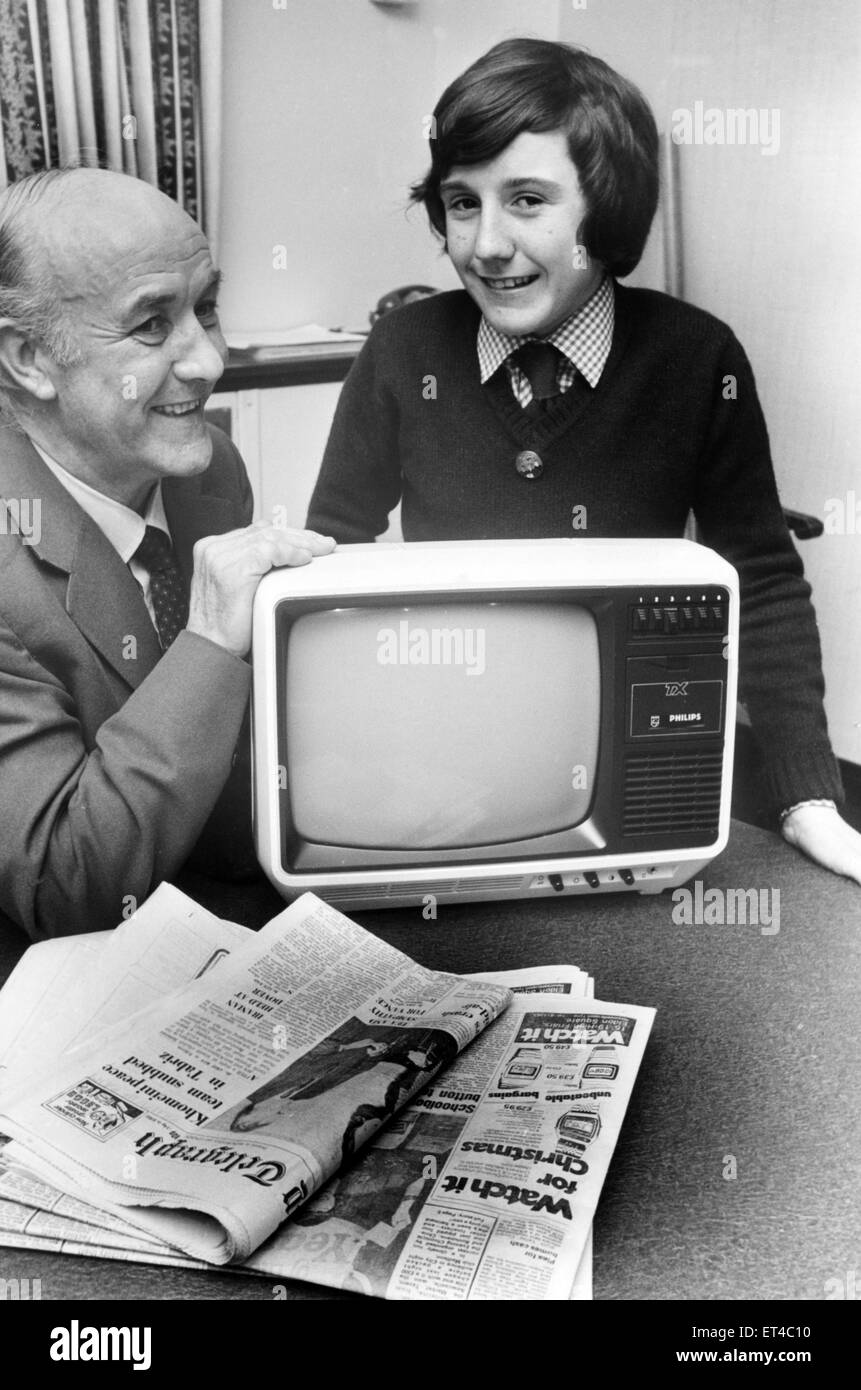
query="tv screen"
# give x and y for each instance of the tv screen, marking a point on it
(449, 725)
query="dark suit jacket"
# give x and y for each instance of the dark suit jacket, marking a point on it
(112, 755)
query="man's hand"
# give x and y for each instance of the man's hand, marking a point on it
(823, 835)
(227, 570)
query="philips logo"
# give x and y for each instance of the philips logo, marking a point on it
(676, 688)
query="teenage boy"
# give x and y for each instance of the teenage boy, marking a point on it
(547, 393)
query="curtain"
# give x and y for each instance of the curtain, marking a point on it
(132, 85)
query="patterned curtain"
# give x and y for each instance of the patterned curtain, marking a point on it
(133, 85)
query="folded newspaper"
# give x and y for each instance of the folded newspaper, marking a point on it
(175, 1090)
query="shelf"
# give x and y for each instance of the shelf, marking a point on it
(298, 367)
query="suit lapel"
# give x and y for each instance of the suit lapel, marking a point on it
(106, 604)
(101, 597)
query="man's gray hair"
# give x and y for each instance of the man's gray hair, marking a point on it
(28, 295)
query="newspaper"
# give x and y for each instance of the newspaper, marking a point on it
(377, 1226)
(486, 1185)
(338, 1248)
(208, 1118)
(64, 991)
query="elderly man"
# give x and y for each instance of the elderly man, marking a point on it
(127, 564)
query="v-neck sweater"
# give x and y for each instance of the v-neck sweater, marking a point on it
(674, 425)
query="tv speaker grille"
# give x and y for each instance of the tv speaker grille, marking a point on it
(672, 793)
(374, 892)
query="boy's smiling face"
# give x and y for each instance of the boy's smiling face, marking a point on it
(512, 228)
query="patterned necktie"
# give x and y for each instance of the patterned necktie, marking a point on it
(539, 362)
(167, 586)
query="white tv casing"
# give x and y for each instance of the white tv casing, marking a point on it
(461, 568)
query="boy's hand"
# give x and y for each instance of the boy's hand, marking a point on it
(824, 836)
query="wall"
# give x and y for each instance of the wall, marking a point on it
(768, 238)
(324, 108)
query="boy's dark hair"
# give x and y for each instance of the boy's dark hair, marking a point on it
(537, 85)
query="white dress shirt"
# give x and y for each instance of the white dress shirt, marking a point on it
(583, 340)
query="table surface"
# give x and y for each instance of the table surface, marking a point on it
(754, 1058)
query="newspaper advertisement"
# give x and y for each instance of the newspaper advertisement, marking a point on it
(485, 1187)
(208, 1119)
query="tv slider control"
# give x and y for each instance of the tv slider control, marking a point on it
(591, 878)
(555, 881)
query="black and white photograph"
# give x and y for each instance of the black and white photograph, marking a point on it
(430, 579)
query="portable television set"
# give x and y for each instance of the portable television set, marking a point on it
(474, 720)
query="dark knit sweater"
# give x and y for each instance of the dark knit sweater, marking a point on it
(673, 425)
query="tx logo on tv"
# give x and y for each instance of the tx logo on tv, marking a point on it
(676, 688)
